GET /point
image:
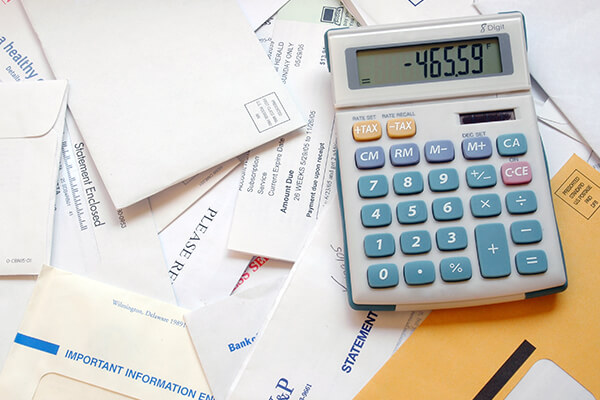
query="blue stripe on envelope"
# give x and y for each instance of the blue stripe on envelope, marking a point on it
(37, 344)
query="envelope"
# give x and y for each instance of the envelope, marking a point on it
(313, 345)
(546, 347)
(32, 118)
(162, 90)
(82, 339)
(569, 78)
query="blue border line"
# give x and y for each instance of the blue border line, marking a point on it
(36, 344)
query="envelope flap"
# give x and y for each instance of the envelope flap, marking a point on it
(30, 109)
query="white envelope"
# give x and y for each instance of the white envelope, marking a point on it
(32, 118)
(162, 90)
(562, 39)
(82, 339)
(313, 345)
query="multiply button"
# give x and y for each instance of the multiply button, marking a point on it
(401, 127)
(363, 131)
(516, 173)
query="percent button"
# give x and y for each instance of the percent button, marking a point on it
(455, 269)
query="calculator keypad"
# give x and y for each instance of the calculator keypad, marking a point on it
(445, 209)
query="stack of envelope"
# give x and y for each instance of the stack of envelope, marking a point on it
(168, 206)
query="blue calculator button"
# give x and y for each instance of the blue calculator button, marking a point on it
(486, 205)
(526, 232)
(481, 176)
(477, 148)
(404, 154)
(453, 238)
(447, 209)
(415, 242)
(512, 144)
(521, 202)
(531, 262)
(455, 269)
(492, 250)
(419, 272)
(438, 151)
(372, 186)
(369, 157)
(380, 245)
(381, 276)
(411, 212)
(373, 215)
(408, 182)
(443, 180)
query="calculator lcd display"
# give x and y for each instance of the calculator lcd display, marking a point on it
(429, 62)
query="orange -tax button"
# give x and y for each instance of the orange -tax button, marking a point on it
(366, 130)
(401, 127)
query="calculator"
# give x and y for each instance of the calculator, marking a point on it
(442, 178)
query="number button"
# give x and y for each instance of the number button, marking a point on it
(379, 245)
(374, 215)
(415, 242)
(443, 180)
(369, 157)
(521, 202)
(512, 144)
(447, 209)
(382, 276)
(408, 182)
(438, 151)
(525, 232)
(477, 148)
(404, 154)
(486, 205)
(372, 186)
(411, 212)
(454, 238)
(419, 273)
(481, 176)
(455, 269)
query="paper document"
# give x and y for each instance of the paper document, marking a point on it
(159, 95)
(200, 266)
(505, 350)
(314, 345)
(32, 120)
(285, 184)
(172, 202)
(81, 339)
(225, 346)
(258, 12)
(373, 12)
(571, 82)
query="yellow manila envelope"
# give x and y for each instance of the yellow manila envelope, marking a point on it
(542, 348)
(81, 339)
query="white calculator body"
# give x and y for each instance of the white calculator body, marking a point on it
(442, 177)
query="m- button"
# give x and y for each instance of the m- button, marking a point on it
(363, 131)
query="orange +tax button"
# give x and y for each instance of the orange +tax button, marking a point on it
(366, 130)
(401, 127)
